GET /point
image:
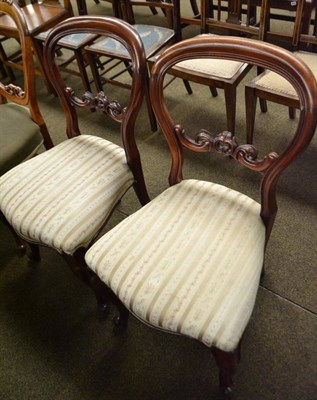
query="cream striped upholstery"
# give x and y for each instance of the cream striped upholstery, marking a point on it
(62, 197)
(188, 262)
(272, 81)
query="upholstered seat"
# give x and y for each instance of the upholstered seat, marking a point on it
(225, 69)
(61, 198)
(274, 82)
(20, 144)
(189, 262)
(207, 68)
(215, 73)
(195, 246)
(153, 37)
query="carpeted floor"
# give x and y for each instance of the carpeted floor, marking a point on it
(52, 344)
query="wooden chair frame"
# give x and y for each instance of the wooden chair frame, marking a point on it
(253, 91)
(272, 165)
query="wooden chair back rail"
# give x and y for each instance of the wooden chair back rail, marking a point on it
(170, 8)
(302, 19)
(254, 52)
(233, 21)
(128, 38)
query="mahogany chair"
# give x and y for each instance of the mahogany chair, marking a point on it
(220, 74)
(190, 261)
(154, 39)
(39, 17)
(63, 197)
(270, 86)
(23, 129)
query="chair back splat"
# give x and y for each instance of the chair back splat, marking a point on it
(190, 261)
(126, 35)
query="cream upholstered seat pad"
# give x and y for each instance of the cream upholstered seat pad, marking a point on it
(273, 81)
(225, 69)
(63, 196)
(188, 262)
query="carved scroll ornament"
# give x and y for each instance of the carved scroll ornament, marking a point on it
(14, 90)
(227, 144)
(98, 102)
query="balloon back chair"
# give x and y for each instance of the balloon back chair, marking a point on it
(221, 74)
(63, 197)
(190, 261)
(23, 129)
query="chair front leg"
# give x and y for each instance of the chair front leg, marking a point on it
(104, 296)
(228, 364)
(79, 267)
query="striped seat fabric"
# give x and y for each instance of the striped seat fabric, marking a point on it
(61, 198)
(187, 262)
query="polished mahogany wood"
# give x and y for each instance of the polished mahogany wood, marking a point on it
(271, 165)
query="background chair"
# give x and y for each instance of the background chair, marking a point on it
(63, 197)
(154, 39)
(39, 18)
(269, 86)
(23, 129)
(75, 44)
(220, 74)
(190, 261)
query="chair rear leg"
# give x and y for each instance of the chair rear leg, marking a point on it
(149, 106)
(82, 69)
(250, 103)
(230, 98)
(213, 91)
(292, 112)
(188, 87)
(228, 364)
(263, 105)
